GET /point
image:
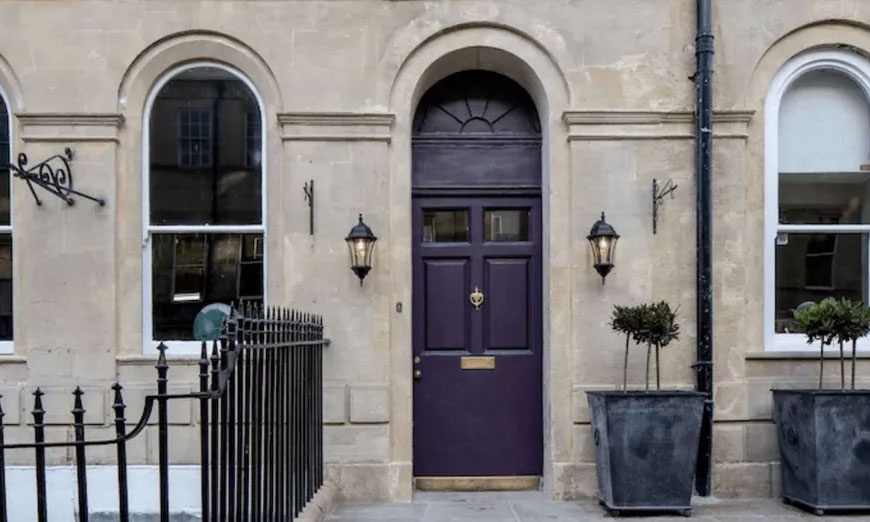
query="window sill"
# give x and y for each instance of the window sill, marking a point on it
(802, 355)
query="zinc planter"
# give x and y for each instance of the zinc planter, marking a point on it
(824, 442)
(646, 446)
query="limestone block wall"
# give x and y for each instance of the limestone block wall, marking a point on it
(339, 81)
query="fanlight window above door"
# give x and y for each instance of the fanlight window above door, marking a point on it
(477, 102)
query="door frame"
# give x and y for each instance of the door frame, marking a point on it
(420, 63)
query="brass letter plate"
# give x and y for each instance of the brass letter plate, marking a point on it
(477, 363)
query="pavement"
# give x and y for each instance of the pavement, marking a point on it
(535, 506)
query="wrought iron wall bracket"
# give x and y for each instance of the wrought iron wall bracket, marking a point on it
(308, 188)
(53, 175)
(658, 195)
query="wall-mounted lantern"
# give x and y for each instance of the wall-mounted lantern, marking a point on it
(602, 238)
(361, 244)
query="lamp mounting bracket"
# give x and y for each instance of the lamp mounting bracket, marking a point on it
(53, 175)
(658, 198)
(308, 188)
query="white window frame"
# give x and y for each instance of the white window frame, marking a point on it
(8, 347)
(855, 67)
(178, 347)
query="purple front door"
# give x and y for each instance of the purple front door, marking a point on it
(477, 336)
(476, 180)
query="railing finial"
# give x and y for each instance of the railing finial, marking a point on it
(118, 403)
(37, 403)
(78, 407)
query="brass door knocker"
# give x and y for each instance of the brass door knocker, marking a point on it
(476, 298)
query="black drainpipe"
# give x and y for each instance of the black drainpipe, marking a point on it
(704, 216)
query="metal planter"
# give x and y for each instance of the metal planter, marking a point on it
(824, 443)
(646, 446)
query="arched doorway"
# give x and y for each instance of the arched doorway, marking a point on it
(477, 236)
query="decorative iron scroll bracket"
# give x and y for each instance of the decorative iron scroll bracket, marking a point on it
(658, 195)
(308, 188)
(54, 175)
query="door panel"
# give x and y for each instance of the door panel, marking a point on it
(507, 316)
(478, 422)
(445, 318)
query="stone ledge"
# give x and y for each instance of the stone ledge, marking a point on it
(593, 125)
(336, 126)
(70, 127)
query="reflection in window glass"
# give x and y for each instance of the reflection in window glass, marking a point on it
(202, 168)
(194, 138)
(190, 271)
(506, 225)
(811, 267)
(445, 226)
(252, 139)
(812, 199)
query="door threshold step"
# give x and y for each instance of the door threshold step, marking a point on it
(521, 483)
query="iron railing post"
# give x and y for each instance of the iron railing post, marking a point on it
(214, 419)
(163, 432)
(78, 413)
(203, 431)
(39, 437)
(3, 511)
(120, 428)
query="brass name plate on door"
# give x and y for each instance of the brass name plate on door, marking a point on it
(477, 363)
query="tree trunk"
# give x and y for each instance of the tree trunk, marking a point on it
(842, 368)
(821, 364)
(854, 360)
(658, 370)
(648, 350)
(625, 366)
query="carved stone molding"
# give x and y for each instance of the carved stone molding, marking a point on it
(70, 127)
(651, 125)
(336, 126)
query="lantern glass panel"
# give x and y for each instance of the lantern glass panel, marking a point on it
(603, 249)
(607, 246)
(360, 250)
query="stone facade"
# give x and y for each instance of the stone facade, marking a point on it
(339, 81)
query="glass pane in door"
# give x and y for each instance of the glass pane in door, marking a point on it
(445, 226)
(506, 225)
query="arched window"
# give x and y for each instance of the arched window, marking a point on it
(203, 202)
(5, 229)
(818, 188)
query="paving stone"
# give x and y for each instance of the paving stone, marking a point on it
(412, 511)
(536, 506)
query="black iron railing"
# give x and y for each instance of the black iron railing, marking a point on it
(261, 436)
